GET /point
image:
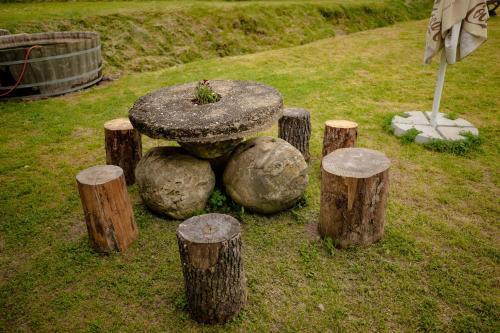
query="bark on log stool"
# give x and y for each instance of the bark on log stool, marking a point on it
(210, 251)
(123, 146)
(295, 128)
(339, 134)
(106, 204)
(354, 190)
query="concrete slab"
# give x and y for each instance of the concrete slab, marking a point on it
(453, 133)
(463, 123)
(441, 120)
(427, 134)
(400, 129)
(417, 117)
(401, 120)
(447, 129)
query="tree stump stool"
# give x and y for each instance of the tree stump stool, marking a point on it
(123, 146)
(295, 128)
(354, 190)
(339, 134)
(107, 208)
(210, 251)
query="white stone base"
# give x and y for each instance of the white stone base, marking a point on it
(446, 129)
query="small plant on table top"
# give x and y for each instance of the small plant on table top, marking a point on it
(204, 94)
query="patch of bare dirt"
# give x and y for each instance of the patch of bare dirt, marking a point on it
(83, 132)
(312, 231)
(76, 228)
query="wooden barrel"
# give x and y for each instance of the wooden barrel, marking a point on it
(64, 62)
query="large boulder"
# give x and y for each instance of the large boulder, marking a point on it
(174, 183)
(266, 175)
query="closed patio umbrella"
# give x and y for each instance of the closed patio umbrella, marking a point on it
(458, 27)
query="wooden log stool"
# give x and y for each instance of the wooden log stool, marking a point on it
(295, 128)
(339, 134)
(106, 204)
(210, 251)
(354, 190)
(123, 146)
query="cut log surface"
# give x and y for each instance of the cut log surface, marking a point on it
(210, 251)
(106, 204)
(339, 134)
(354, 190)
(295, 128)
(123, 146)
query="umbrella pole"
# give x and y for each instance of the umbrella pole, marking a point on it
(455, 32)
(439, 89)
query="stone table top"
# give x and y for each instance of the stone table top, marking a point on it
(170, 113)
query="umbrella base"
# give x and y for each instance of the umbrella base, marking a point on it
(446, 129)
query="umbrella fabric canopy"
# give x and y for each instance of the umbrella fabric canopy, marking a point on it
(472, 16)
(458, 27)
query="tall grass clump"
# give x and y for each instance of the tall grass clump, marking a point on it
(204, 94)
(460, 147)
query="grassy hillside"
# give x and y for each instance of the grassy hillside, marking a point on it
(436, 269)
(141, 36)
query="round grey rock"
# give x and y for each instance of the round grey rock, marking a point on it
(170, 113)
(266, 175)
(174, 183)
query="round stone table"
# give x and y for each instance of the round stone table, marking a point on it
(208, 130)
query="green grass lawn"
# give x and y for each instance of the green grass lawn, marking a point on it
(44, 9)
(436, 269)
(142, 36)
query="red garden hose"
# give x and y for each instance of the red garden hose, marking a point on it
(25, 64)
